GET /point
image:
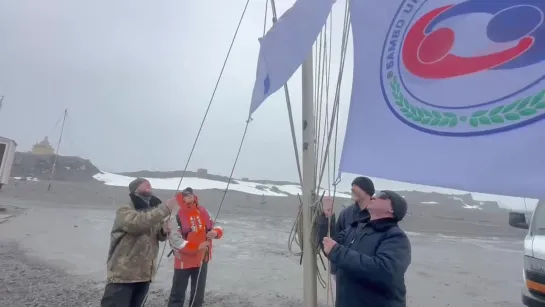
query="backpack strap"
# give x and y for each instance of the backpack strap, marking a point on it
(179, 221)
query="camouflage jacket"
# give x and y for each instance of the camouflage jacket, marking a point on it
(134, 241)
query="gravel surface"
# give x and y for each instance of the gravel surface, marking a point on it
(30, 282)
(460, 257)
(25, 282)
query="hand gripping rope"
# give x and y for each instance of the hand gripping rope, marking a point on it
(195, 143)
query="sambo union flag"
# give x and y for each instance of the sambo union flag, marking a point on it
(449, 93)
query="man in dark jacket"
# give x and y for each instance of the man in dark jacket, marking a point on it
(134, 245)
(372, 258)
(362, 192)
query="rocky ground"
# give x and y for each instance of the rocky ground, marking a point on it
(52, 252)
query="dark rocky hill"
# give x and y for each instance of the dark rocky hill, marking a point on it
(76, 169)
(28, 165)
(173, 174)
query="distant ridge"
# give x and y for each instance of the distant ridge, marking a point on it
(204, 175)
(68, 168)
(28, 166)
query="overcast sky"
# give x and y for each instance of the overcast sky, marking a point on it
(137, 76)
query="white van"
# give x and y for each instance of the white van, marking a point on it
(533, 293)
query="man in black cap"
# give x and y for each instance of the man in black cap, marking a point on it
(362, 193)
(134, 246)
(372, 257)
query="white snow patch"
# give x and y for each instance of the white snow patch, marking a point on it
(25, 178)
(343, 189)
(476, 207)
(205, 184)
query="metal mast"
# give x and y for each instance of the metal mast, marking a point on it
(309, 186)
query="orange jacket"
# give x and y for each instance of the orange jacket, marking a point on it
(194, 222)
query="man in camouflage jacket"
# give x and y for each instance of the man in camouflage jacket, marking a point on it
(134, 246)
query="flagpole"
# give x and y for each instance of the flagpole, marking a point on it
(309, 186)
(57, 153)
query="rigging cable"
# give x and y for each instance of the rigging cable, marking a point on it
(335, 118)
(223, 198)
(200, 130)
(321, 140)
(56, 124)
(327, 94)
(288, 105)
(296, 231)
(344, 45)
(54, 167)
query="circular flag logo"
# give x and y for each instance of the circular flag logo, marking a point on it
(466, 68)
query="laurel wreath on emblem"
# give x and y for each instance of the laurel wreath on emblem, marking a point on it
(511, 112)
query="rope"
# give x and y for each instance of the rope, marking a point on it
(327, 98)
(223, 198)
(293, 236)
(214, 92)
(199, 133)
(323, 69)
(57, 152)
(288, 105)
(335, 120)
(346, 32)
(327, 70)
(329, 287)
(317, 208)
(265, 19)
(56, 124)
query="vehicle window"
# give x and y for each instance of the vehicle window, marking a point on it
(538, 221)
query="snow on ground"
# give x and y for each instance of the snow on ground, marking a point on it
(472, 207)
(26, 178)
(206, 184)
(343, 189)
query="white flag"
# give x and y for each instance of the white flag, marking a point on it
(286, 46)
(444, 96)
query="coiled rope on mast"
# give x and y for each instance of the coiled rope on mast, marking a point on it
(195, 144)
(330, 129)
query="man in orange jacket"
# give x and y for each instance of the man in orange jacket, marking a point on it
(191, 260)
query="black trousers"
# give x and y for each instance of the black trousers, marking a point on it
(179, 287)
(125, 295)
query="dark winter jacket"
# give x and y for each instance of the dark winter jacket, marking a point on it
(371, 260)
(134, 242)
(347, 216)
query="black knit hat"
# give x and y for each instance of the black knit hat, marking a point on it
(187, 191)
(136, 183)
(365, 184)
(399, 204)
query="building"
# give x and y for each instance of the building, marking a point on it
(7, 152)
(43, 148)
(202, 172)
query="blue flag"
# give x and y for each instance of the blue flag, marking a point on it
(286, 46)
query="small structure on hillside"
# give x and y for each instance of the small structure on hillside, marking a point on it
(7, 152)
(202, 172)
(43, 148)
